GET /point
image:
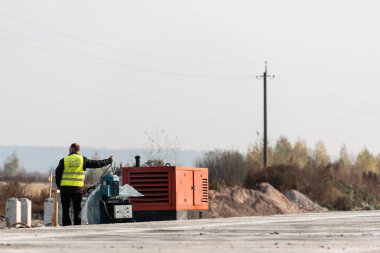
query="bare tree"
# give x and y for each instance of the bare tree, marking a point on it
(366, 162)
(283, 152)
(320, 155)
(12, 164)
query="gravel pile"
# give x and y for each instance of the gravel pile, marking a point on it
(235, 201)
(265, 200)
(304, 202)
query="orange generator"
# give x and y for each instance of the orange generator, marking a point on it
(170, 192)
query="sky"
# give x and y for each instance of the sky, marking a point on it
(103, 73)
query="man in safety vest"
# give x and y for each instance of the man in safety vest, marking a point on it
(70, 175)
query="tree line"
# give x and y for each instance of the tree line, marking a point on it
(344, 183)
(13, 171)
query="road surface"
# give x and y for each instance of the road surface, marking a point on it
(322, 232)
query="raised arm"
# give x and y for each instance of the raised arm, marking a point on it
(93, 164)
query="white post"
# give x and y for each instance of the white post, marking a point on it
(13, 211)
(26, 211)
(48, 210)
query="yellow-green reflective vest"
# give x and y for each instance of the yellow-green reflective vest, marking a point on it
(73, 173)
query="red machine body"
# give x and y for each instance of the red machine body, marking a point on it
(170, 193)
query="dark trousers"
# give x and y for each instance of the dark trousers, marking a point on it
(66, 199)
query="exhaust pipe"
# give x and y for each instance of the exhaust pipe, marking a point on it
(137, 161)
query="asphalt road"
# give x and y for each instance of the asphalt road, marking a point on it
(322, 232)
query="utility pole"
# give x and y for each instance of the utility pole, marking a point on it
(265, 141)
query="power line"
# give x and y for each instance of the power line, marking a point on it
(130, 52)
(95, 59)
(331, 104)
(324, 91)
(332, 107)
(89, 58)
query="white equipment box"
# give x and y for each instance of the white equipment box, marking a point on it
(122, 211)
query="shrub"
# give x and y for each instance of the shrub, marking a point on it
(38, 201)
(282, 177)
(228, 166)
(343, 203)
(9, 190)
(20, 190)
(346, 184)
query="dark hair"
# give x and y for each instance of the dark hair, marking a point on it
(75, 147)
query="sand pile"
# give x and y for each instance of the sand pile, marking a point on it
(265, 200)
(234, 201)
(304, 202)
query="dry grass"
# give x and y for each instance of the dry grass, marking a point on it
(37, 188)
(36, 192)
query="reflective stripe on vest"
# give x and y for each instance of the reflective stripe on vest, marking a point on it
(73, 173)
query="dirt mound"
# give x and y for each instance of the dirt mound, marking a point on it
(265, 200)
(304, 202)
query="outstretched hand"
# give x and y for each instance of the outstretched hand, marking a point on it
(112, 158)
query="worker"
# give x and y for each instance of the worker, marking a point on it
(70, 175)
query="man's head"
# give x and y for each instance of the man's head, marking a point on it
(74, 148)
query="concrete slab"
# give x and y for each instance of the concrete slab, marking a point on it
(323, 232)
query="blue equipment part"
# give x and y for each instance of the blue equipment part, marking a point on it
(93, 213)
(109, 186)
(113, 208)
(109, 202)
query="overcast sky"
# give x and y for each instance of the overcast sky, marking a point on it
(101, 73)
